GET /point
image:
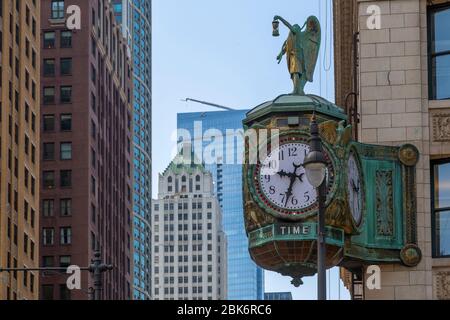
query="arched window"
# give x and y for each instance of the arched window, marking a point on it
(169, 180)
(197, 178)
(183, 179)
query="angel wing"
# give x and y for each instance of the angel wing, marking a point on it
(311, 46)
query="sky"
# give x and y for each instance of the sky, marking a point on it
(222, 51)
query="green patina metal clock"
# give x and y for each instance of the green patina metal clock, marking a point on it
(280, 182)
(370, 205)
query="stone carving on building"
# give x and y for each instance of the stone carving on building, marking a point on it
(384, 203)
(441, 127)
(443, 285)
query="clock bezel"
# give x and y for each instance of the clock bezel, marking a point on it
(267, 205)
(353, 152)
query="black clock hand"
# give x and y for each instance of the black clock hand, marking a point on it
(293, 177)
(355, 188)
(289, 192)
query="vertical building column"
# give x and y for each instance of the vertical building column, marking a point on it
(394, 111)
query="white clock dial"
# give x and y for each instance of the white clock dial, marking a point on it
(283, 180)
(354, 188)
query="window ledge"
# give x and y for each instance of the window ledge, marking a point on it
(438, 104)
(57, 21)
(441, 262)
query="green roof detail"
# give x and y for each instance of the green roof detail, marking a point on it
(181, 165)
(296, 103)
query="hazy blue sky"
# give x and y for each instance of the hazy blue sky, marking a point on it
(224, 52)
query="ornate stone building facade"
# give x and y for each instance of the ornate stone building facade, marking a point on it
(397, 75)
(189, 246)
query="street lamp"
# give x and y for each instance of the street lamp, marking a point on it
(96, 269)
(315, 166)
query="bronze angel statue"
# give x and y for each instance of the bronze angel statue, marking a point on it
(301, 49)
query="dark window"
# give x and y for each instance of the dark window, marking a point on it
(48, 152)
(48, 207)
(49, 123)
(49, 67)
(439, 52)
(66, 66)
(64, 261)
(66, 39)
(48, 261)
(49, 95)
(66, 122)
(49, 179)
(65, 235)
(48, 236)
(49, 39)
(47, 292)
(57, 9)
(66, 178)
(65, 207)
(66, 94)
(441, 208)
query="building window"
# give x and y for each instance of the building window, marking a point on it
(93, 185)
(49, 95)
(66, 151)
(65, 207)
(57, 9)
(48, 236)
(49, 123)
(66, 178)
(66, 66)
(439, 52)
(64, 292)
(48, 152)
(48, 178)
(66, 122)
(66, 94)
(49, 40)
(47, 292)
(49, 67)
(66, 235)
(441, 208)
(48, 207)
(48, 261)
(64, 261)
(66, 39)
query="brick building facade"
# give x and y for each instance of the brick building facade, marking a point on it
(86, 141)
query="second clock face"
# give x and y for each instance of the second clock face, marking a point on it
(282, 178)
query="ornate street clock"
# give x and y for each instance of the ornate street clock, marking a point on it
(370, 206)
(355, 188)
(280, 181)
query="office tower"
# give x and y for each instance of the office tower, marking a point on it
(277, 296)
(86, 159)
(189, 246)
(400, 73)
(136, 19)
(19, 147)
(245, 279)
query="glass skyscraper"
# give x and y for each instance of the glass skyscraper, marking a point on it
(136, 19)
(245, 279)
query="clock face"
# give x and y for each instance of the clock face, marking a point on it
(355, 188)
(282, 178)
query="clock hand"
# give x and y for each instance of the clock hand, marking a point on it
(355, 188)
(293, 177)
